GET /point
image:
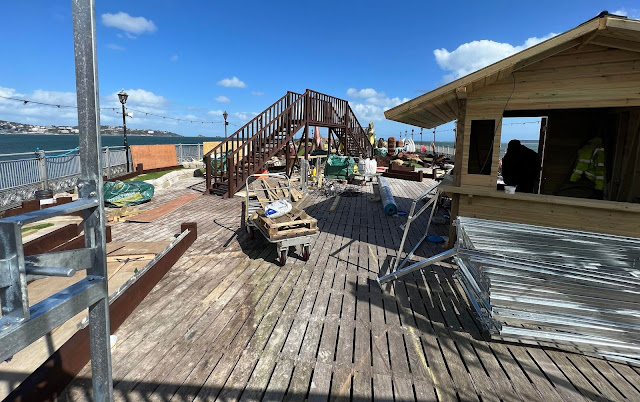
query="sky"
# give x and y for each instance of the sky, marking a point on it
(192, 60)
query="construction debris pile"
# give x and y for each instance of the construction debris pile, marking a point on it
(572, 290)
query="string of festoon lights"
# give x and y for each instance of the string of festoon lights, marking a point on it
(117, 110)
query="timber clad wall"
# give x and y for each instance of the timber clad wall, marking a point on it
(591, 77)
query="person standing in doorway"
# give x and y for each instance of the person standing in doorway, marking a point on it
(520, 167)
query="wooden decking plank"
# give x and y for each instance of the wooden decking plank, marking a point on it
(464, 344)
(577, 379)
(562, 385)
(328, 341)
(471, 332)
(279, 382)
(461, 377)
(398, 352)
(594, 376)
(403, 389)
(536, 376)
(382, 387)
(341, 384)
(310, 342)
(627, 390)
(362, 386)
(320, 383)
(424, 390)
(300, 382)
(442, 381)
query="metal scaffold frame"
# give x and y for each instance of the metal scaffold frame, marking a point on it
(21, 324)
(399, 269)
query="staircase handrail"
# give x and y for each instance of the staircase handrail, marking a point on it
(254, 142)
(252, 121)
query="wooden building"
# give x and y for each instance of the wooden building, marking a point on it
(584, 83)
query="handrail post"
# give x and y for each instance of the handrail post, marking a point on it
(108, 156)
(230, 175)
(207, 169)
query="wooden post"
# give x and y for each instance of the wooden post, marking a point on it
(461, 93)
(207, 169)
(306, 141)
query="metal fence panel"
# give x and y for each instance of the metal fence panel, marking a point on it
(19, 172)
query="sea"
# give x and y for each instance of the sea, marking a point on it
(19, 143)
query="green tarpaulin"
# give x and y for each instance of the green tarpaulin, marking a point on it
(339, 166)
(124, 194)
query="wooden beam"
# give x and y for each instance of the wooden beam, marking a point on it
(617, 43)
(588, 38)
(461, 93)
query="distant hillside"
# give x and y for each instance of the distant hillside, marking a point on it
(9, 127)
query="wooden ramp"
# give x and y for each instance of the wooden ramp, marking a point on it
(226, 323)
(162, 210)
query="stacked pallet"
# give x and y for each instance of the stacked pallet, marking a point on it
(292, 224)
(403, 172)
(572, 290)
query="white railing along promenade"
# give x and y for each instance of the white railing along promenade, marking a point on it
(22, 174)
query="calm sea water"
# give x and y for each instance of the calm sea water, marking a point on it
(17, 143)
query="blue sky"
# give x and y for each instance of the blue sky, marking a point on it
(194, 59)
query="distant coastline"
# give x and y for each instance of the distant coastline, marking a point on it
(10, 127)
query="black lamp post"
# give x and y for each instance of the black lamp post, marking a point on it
(226, 123)
(122, 95)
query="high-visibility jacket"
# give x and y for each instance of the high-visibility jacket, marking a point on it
(591, 163)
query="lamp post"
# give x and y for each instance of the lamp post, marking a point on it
(226, 123)
(122, 95)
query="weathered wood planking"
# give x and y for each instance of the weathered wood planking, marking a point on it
(227, 323)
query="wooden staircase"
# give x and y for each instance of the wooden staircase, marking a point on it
(247, 150)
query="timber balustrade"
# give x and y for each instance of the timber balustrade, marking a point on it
(248, 149)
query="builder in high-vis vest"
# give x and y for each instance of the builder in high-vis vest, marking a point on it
(591, 163)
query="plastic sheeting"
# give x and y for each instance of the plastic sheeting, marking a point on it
(124, 194)
(388, 202)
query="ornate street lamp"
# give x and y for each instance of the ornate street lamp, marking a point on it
(226, 123)
(122, 96)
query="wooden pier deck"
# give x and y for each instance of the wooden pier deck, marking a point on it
(227, 323)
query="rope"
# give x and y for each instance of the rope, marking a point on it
(64, 154)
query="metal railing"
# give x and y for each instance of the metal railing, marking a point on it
(29, 168)
(189, 152)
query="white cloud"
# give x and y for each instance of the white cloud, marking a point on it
(245, 115)
(634, 14)
(257, 93)
(367, 112)
(233, 82)
(174, 57)
(223, 99)
(375, 103)
(130, 25)
(32, 113)
(472, 56)
(141, 97)
(215, 112)
(373, 97)
(113, 46)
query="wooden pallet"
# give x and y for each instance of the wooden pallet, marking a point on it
(293, 224)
